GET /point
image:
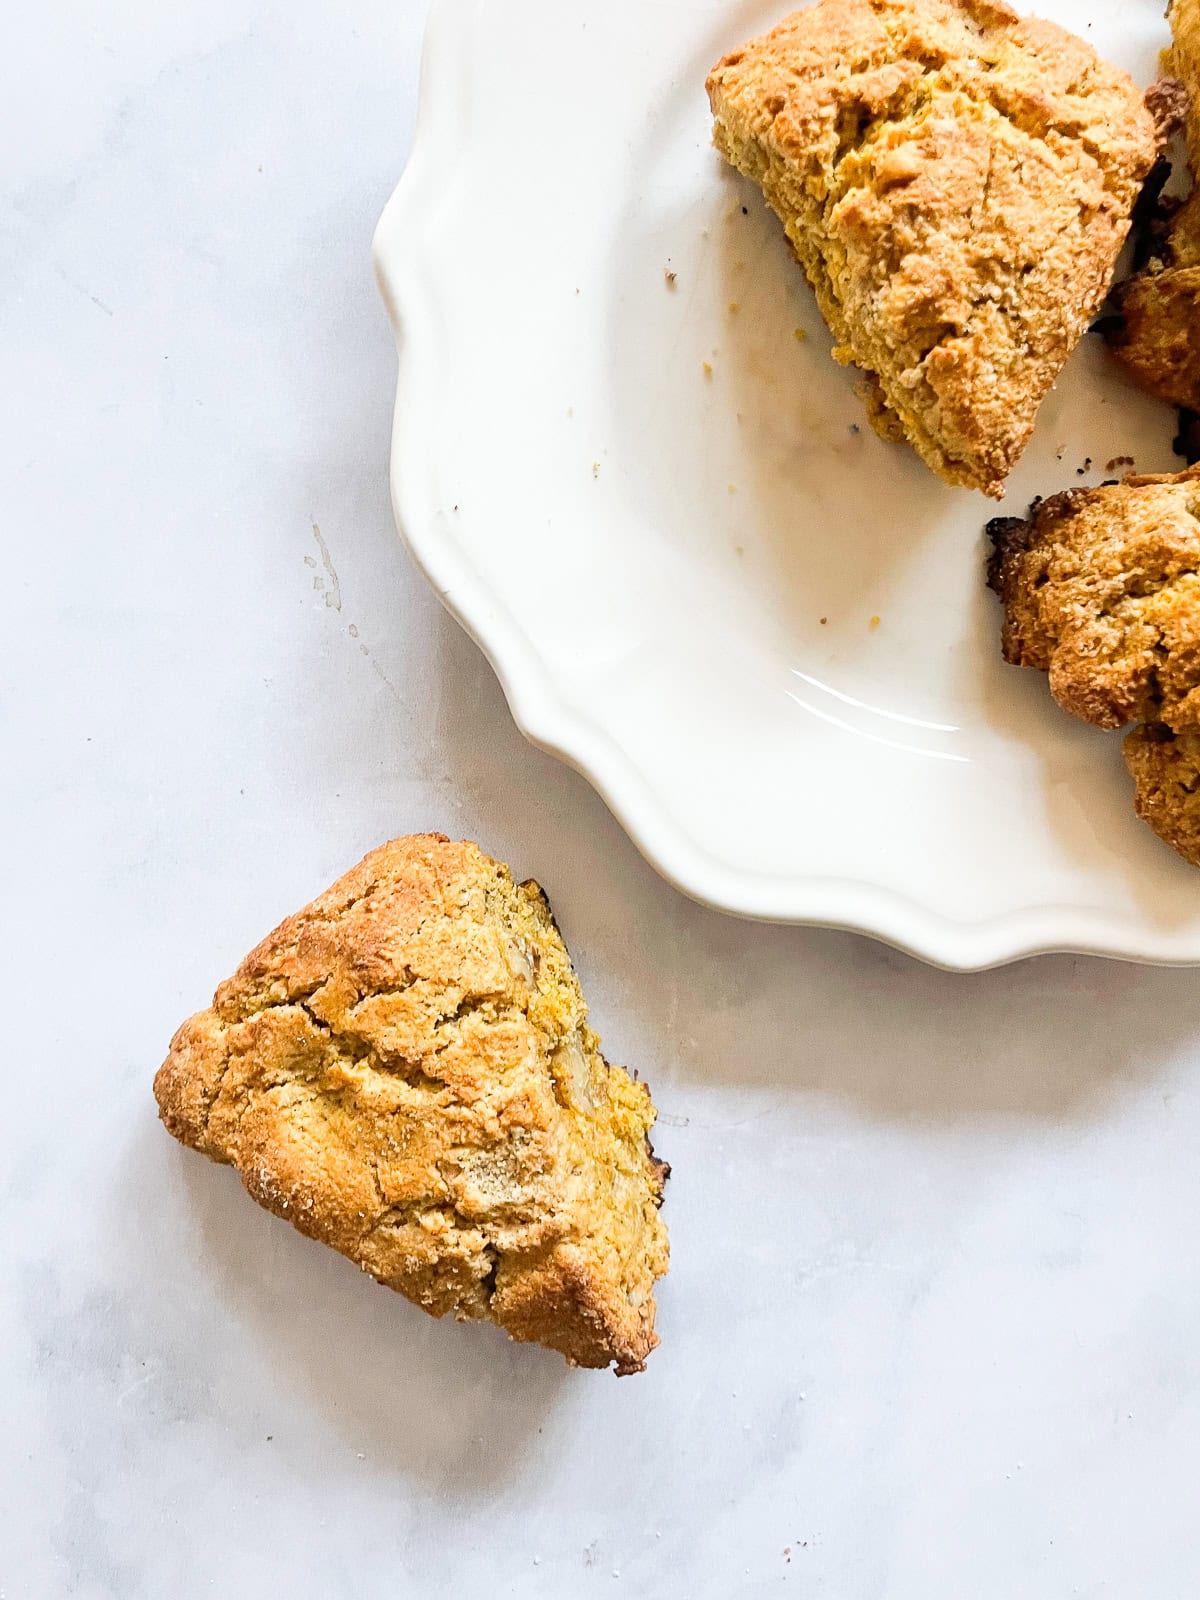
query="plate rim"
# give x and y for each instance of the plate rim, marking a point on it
(407, 279)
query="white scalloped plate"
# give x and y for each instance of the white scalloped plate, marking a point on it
(675, 572)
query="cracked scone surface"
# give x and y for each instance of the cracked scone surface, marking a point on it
(1157, 335)
(957, 183)
(404, 1071)
(1101, 589)
(1165, 767)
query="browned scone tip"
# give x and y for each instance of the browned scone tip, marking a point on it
(1168, 102)
(957, 182)
(1165, 767)
(404, 1071)
(1101, 589)
(1010, 538)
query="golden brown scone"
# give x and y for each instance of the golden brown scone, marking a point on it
(1165, 766)
(1101, 589)
(957, 183)
(1183, 62)
(404, 1071)
(1156, 334)
(1157, 337)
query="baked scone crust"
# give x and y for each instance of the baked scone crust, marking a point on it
(1165, 767)
(957, 183)
(1101, 589)
(1156, 335)
(404, 1071)
(1183, 62)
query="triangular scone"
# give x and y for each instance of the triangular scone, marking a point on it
(957, 183)
(403, 1070)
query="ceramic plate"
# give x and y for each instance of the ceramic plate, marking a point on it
(627, 464)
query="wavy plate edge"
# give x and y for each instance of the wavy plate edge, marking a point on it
(406, 278)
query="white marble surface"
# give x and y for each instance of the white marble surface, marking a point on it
(931, 1326)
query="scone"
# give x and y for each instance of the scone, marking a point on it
(1183, 62)
(1156, 333)
(404, 1071)
(957, 183)
(1165, 766)
(1101, 589)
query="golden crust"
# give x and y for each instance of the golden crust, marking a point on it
(957, 183)
(1158, 336)
(1165, 766)
(1101, 589)
(1183, 61)
(404, 1071)
(1157, 332)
